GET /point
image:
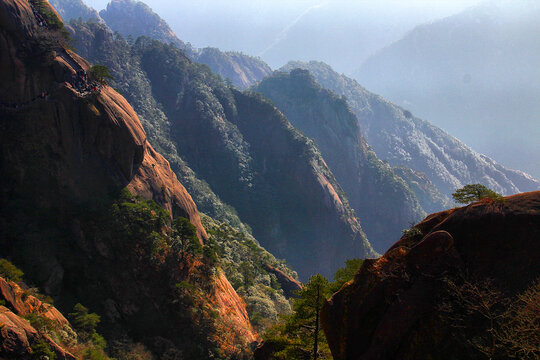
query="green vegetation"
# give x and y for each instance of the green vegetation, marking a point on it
(10, 271)
(55, 32)
(412, 233)
(42, 350)
(85, 323)
(44, 9)
(298, 335)
(185, 241)
(100, 73)
(476, 192)
(243, 260)
(346, 274)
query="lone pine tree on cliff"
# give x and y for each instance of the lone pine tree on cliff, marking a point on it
(475, 192)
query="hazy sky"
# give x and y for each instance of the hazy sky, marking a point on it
(346, 31)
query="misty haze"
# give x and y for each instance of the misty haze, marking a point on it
(269, 179)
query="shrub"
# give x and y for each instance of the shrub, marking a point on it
(42, 350)
(84, 323)
(100, 73)
(10, 271)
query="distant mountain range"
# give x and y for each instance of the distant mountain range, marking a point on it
(475, 74)
(402, 139)
(134, 18)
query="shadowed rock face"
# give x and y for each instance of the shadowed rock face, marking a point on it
(392, 308)
(247, 152)
(62, 154)
(402, 139)
(383, 202)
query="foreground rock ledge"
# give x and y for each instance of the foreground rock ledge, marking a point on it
(391, 308)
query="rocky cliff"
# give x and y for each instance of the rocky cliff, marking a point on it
(443, 290)
(382, 200)
(402, 139)
(209, 126)
(68, 147)
(19, 337)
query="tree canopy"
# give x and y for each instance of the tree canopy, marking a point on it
(475, 192)
(101, 73)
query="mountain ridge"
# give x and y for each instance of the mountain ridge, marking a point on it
(405, 140)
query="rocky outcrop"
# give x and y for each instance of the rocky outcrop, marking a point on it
(17, 335)
(402, 139)
(66, 152)
(415, 301)
(289, 285)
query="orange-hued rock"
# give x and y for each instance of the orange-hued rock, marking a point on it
(24, 304)
(391, 309)
(69, 151)
(17, 335)
(235, 327)
(102, 123)
(289, 285)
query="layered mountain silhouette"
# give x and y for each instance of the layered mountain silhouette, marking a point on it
(134, 18)
(474, 74)
(402, 139)
(240, 146)
(382, 200)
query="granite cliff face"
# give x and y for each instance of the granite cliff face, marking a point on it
(405, 140)
(441, 290)
(383, 202)
(17, 335)
(224, 136)
(66, 152)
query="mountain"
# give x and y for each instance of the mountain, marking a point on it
(461, 284)
(383, 202)
(239, 146)
(87, 205)
(241, 69)
(75, 9)
(474, 74)
(133, 19)
(402, 139)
